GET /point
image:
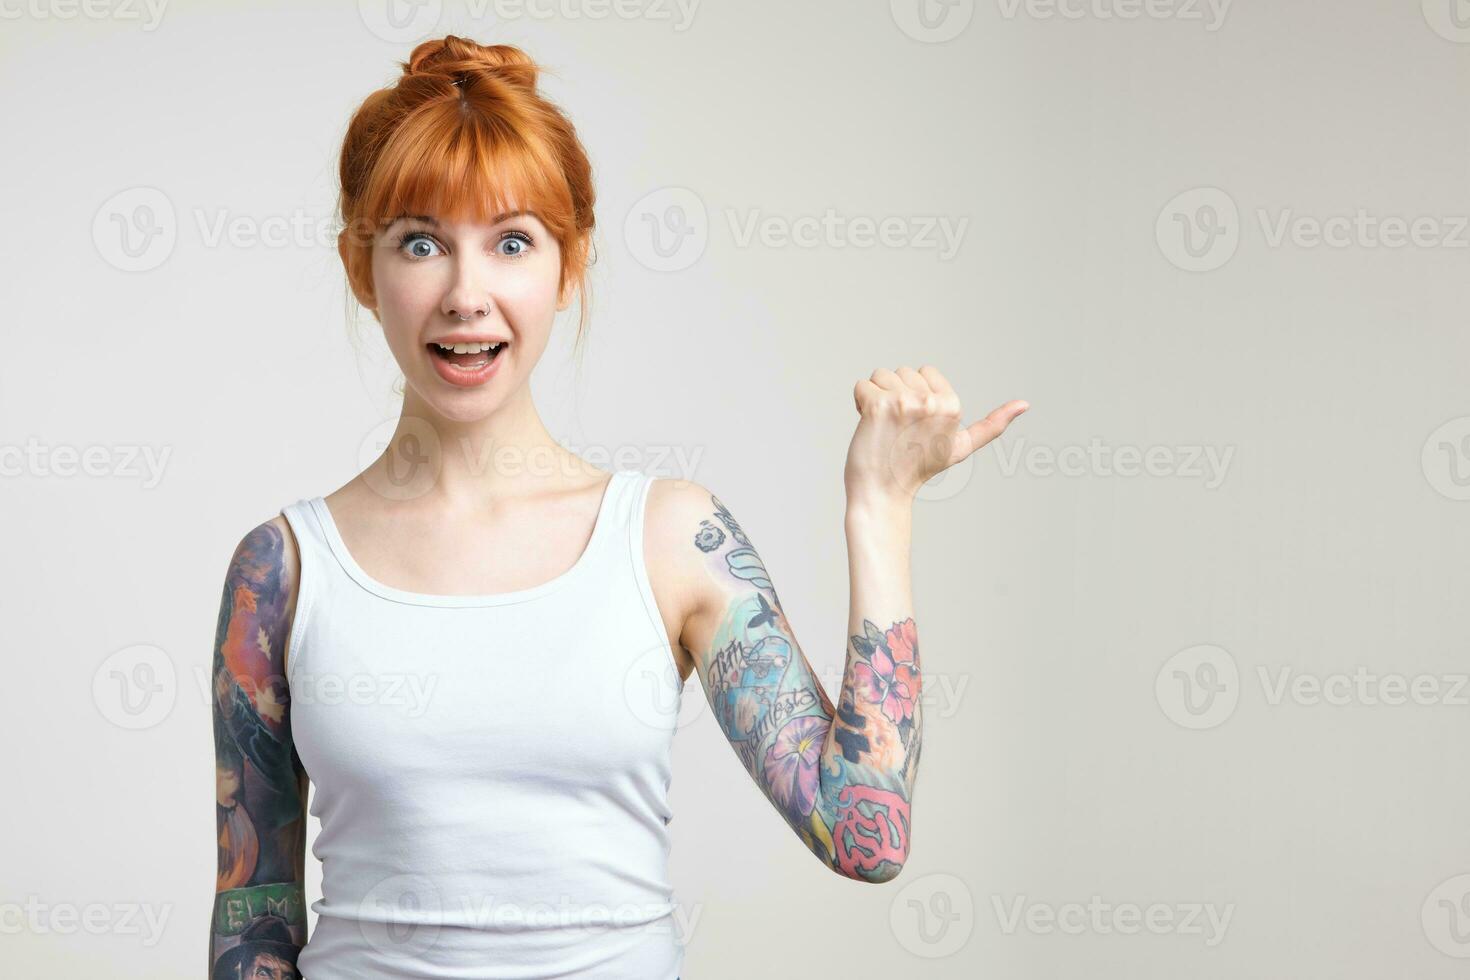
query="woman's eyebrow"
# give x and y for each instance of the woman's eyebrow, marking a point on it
(428, 220)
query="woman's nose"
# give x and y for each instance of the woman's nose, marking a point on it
(468, 309)
(469, 297)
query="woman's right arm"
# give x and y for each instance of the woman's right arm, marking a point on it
(259, 920)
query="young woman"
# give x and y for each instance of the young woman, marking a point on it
(476, 647)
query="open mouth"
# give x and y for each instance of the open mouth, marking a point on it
(467, 356)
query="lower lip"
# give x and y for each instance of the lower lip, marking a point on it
(467, 377)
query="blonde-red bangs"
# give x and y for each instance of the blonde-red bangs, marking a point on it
(465, 166)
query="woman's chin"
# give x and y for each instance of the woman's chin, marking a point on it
(460, 403)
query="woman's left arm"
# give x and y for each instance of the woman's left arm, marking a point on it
(842, 777)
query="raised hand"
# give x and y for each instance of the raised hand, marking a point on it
(910, 430)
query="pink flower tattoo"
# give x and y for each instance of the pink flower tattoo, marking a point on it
(889, 678)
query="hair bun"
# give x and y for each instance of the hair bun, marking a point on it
(456, 58)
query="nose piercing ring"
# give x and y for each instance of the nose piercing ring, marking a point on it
(477, 312)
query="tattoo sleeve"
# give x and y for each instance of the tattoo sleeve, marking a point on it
(843, 776)
(259, 920)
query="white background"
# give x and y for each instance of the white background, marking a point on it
(1066, 608)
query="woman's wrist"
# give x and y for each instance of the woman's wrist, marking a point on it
(878, 509)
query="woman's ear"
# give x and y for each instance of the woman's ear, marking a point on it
(564, 297)
(570, 285)
(362, 290)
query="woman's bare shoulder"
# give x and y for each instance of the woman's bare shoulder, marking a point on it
(679, 512)
(267, 565)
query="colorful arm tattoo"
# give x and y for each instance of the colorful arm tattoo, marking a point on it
(259, 921)
(841, 777)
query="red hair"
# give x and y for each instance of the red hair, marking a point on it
(463, 134)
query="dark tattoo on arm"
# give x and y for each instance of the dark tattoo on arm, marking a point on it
(259, 921)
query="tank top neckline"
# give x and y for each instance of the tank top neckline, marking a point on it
(349, 564)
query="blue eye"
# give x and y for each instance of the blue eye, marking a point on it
(413, 240)
(513, 244)
(521, 240)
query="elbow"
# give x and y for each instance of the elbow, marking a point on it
(875, 873)
(869, 839)
(885, 872)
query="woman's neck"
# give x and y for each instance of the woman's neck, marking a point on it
(506, 453)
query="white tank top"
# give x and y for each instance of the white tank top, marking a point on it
(491, 771)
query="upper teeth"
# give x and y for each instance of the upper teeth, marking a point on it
(468, 348)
